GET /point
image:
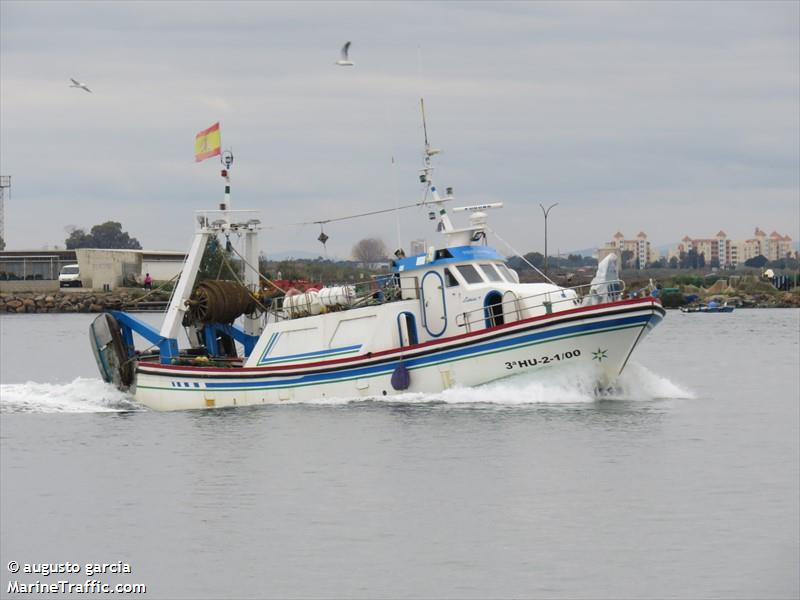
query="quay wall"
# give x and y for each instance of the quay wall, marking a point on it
(74, 302)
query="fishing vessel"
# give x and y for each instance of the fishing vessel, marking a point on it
(455, 315)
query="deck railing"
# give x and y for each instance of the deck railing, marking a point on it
(518, 304)
(234, 219)
(394, 287)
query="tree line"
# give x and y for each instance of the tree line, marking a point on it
(571, 261)
(108, 235)
(369, 251)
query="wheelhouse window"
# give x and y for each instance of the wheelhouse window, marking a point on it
(443, 253)
(449, 279)
(470, 274)
(489, 271)
(506, 273)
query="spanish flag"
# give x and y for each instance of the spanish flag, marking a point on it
(207, 143)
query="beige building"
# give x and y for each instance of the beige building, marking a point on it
(717, 251)
(773, 246)
(109, 269)
(724, 252)
(641, 249)
(99, 268)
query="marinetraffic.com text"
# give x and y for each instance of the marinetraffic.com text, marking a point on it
(59, 578)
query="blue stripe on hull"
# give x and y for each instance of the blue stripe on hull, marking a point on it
(314, 354)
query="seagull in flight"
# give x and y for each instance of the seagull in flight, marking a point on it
(345, 61)
(78, 84)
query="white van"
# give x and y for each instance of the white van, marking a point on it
(70, 276)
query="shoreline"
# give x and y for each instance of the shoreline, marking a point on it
(97, 302)
(80, 302)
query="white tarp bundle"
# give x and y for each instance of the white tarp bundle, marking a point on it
(605, 286)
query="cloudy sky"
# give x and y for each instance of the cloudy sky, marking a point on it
(670, 117)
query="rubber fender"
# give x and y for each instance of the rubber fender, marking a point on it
(401, 378)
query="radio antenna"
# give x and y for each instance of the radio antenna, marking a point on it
(427, 169)
(424, 124)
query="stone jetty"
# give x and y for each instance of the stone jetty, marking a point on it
(75, 302)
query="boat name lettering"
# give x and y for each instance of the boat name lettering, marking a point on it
(469, 299)
(543, 360)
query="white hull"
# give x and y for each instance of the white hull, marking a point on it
(600, 338)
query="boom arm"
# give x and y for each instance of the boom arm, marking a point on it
(177, 306)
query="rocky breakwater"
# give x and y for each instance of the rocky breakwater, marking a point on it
(70, 302)
(741, 292)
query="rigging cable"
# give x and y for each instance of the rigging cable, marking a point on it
(239, 281)
(269, 281)
(520, 255)
(356, 216)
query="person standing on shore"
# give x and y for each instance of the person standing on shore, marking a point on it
(148, 281)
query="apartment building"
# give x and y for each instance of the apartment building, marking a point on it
(723, 252)
(640, 248)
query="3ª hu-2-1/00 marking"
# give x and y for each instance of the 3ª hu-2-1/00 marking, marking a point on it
(543, 360)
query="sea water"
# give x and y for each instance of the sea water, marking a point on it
(683, 482)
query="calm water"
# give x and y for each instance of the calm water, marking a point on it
(685, 485)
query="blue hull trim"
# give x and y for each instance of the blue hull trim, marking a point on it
(315, 354)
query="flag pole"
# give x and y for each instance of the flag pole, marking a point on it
(226, 158)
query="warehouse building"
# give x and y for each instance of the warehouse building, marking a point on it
(100, 269)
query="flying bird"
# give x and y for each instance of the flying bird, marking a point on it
(345, 61)
(78, 84)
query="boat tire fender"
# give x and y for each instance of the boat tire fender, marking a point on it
(401, 378)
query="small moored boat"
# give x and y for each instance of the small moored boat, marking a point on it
(711, 307)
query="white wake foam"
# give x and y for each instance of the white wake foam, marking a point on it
(639, 383)
(555, 386)
(80, 396)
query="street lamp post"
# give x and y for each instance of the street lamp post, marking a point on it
(545, 212)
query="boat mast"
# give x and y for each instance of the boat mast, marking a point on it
(208, 224)
(252, 325)
(425, 177)
(204, 229)
(465, 236)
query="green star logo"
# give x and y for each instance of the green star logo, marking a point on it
(599, 355)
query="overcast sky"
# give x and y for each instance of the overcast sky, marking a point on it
(673, 118)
